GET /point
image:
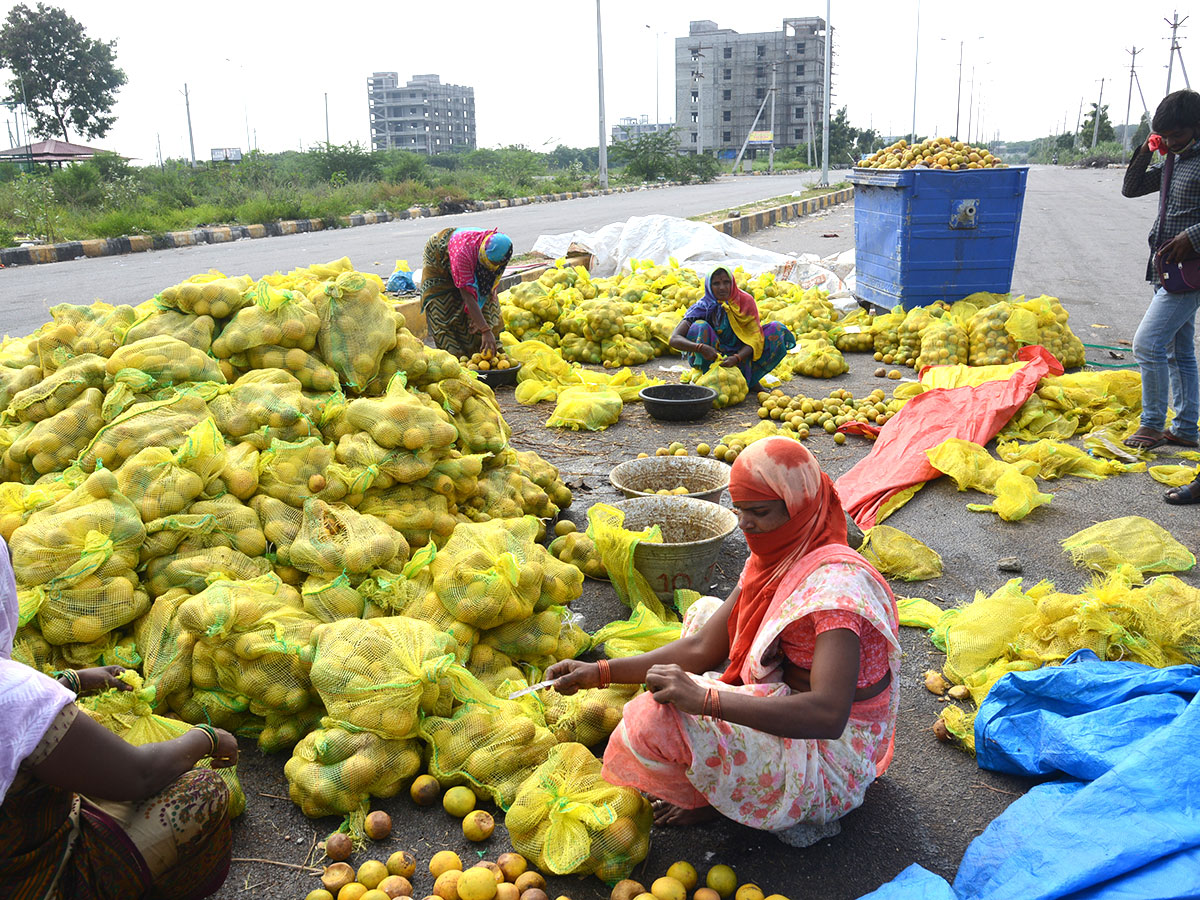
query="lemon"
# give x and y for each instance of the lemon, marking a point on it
(564, 526)
(668, 888)
(682, 451)
(371, 873)
(319, 894)
(458, 801)
(749, 891)
(478, 825)
(352, 891)
(703, 449)
(476, 884)
(839, 438)
(444, 861)
(685, 873)
(721, 879)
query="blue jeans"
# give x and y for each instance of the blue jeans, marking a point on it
(1165, 349)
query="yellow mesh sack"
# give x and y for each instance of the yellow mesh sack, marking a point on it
(130, 715)
(899, 555)
(418, 513)
(98, 327)
(852, 333)
(578, 349)
(166, 648)
(535, 640)
(167, 360)
(642, 632)
(402, 419)
(917, 612)
(623, 350)
(971, 466)
(590, 407)
(455, 476)
(885, 333)
(336, 539)
(156, 485)
(616, 546)
(224, 522)
(727, 381)
(411, 596)
(909, 332)
(157, 423)
(1056, 459)
(489, 743)
(282, 731)
(296, 471)
(52, 444)
(567, 820)
(54, 393)
(945, 341)
(214, 707)
(1053, 332)
(816, 357)
(211, 294)
(19, 501)
(195, 569)
(31, 648)
(579, 550)
(488, 573)
(261, 406)
(331, 599)
(561, 583)
(333, 771)
(981, 632)
(1129, 540)
(357, 326)
(994, 331)
(196, 331)
(252, 640)
(13, 381)
(505, 493)
(275, 317)
(1175, 476)
(313, 374)
(280, 522)
(392, 466)
(492, 667)
(476, 414)
(586, 717)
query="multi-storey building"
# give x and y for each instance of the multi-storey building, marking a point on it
(631, 128)
(722, 78)
(424, 116)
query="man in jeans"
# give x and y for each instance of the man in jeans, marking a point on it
(1164, 344)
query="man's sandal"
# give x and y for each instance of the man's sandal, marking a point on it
(1184, 494)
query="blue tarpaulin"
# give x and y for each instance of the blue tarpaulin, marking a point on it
(1122, 822)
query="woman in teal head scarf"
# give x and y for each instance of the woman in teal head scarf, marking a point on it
(460, 274)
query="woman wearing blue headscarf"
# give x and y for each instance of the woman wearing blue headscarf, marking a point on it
(461, 270)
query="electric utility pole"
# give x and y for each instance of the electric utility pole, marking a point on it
(825, 123)
(1176, 23)
(771, 152)
(600, 72)
(1096, 118)
(1133, 52)
(191, 141)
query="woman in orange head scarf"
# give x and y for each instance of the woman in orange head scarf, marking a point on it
(800, 721)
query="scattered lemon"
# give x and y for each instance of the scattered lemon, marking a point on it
(352, 891)
(446, 885)
(402, 864)
(662, 451)
(643, 456)
(685, 873)
(703, 449)
(319, 894)
(564, 526)
(425, 790)
(458, 801)
(376, 894)
(444, 861)
(476, 884)
(839, 438)
(721, 879)
(749, 891)
(668, 888)
(705, 893)
(478, 825)
(371, 873)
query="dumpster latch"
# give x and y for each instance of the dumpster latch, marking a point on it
(962, 215)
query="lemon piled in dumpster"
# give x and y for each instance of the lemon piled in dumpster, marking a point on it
(934, 153)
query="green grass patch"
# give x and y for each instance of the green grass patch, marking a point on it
(770, 203)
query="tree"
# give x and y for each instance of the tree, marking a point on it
(647, 156)
(62, 76)
(1106, 129)
(1142, 133)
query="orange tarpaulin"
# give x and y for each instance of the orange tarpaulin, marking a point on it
(973, 413)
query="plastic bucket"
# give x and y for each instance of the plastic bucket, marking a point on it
(705, 479)
(692, 532)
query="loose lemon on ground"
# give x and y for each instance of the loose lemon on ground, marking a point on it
(319, 894)
(378, 825)
(668, 888)
(396, 886)
(564, 526)
(513, 865)
(839, 438)
(476, 884)
(703, 449)
(425, 790)
(352, 891)
(371, 873)
(376, 894)
(402, 863)
(444, 861)
(478, 825)
(497, 874)
(643, 456)
(646, 896)
(662, 451)
(675, 446)
(507, 891)
(338, 846)
(446, 885)
(705, 893)
(685, 873)
(777, 897)
(337, 876)
(458, 801)
(722, 879)
(529, 880)
(749, 891)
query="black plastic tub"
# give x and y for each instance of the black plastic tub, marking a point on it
(496, 377)
(677, 402)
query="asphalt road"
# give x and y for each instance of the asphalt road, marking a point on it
(28, 291)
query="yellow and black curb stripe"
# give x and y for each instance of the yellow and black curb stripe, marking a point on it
(742, 225)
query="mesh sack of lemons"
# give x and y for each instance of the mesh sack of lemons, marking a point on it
(568, 820)
(330, 599)
(333, 771)
(727, 381)
(296, 471)
(1094, 398)
(816, 357)
(357, 326)
(155, 319)
(616, 546)
(993, 333)
(1053, 332)
(506, 493)
(586, 406)
(13, 381)
(944, 342)
(53, 443)
(252, 640)
(335, 539)
(1129, 540)
(545, 476)
(162, 482)
(167, 360)
(642, 632)
(455, 476)
(900, 555)
(971, 466)
(852, 333)
(223, 522)
(275, 317)
(402, 418)
(585, 717)
(885, 333)
(476, 414)
(19, 501)
(98, 327)
(537, 299)
(411, 595)
(518, 321)
(621, 350)
(166, 649)
(490, 573)
(579, 550)
(262, 405)
(54, 393)
(1056, 459)
(492, 667)
(154, 423)
(576, 348)
(313, 374)
(280, 523)
(379, 675)
(211, 294)
(130, 715)
(909, 331)
(80, 554)
(418, 513)
(194, 569)
(488, 743)
(392, 466)
(542, 639)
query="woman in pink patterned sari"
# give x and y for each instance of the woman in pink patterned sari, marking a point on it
(801, 721)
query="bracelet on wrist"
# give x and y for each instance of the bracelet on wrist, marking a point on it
(71, 677)
(211, 733)
(605, 673)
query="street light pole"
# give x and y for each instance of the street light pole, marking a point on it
(916, 61)
(825, 124)
(600, 73)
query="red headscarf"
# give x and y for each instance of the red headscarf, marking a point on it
(778, 468)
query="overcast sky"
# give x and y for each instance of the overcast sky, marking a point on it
(258, 71)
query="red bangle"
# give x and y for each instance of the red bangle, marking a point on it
(716, 703)
(605, 675)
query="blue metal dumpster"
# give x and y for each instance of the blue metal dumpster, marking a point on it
(922, 235)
